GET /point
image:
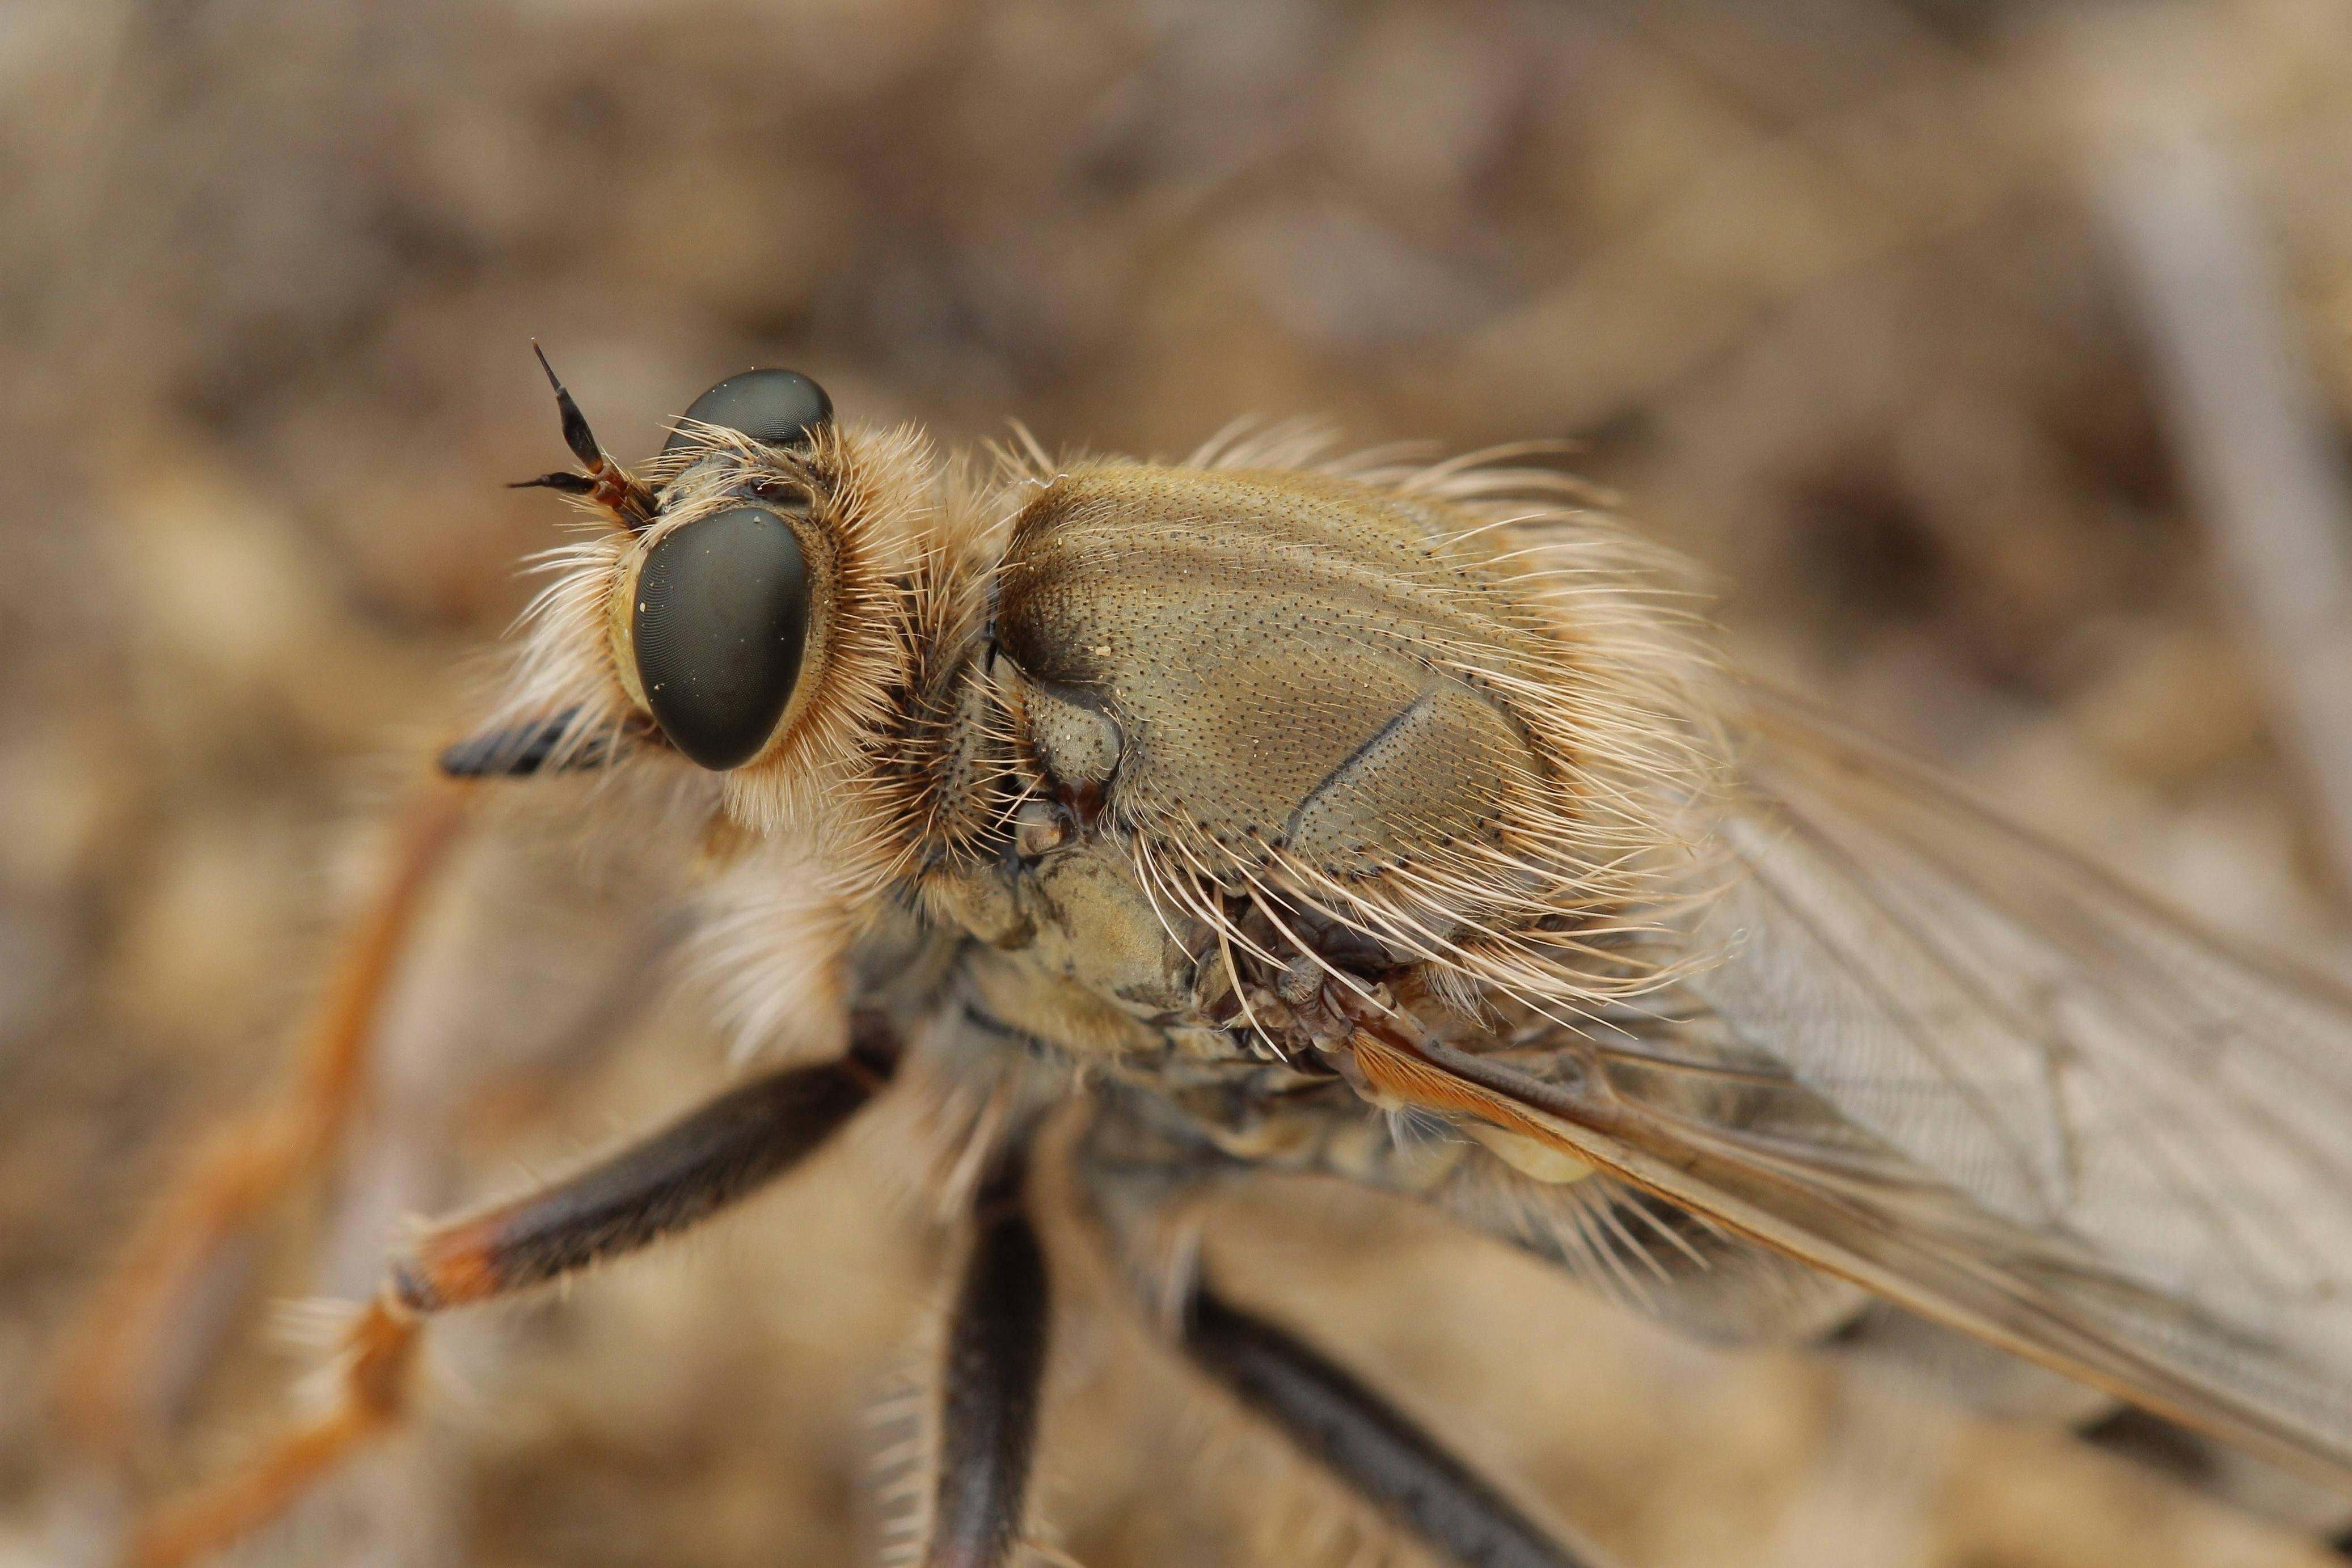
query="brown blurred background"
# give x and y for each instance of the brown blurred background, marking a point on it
(1868, 305)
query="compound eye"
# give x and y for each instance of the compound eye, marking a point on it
(782, 408)
(719, 626)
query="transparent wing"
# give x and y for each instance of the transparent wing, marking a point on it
(2059, 1048)
(1961, 1067)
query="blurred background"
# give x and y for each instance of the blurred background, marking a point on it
(1994, 358)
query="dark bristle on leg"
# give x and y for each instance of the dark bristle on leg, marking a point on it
(1366, 1444)
(697, 1165)
(995, 1362)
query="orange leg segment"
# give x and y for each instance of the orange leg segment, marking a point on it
(254, 1162)
(375, 1375)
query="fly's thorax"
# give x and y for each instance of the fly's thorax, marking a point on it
(1304, 700)
(1258, 653)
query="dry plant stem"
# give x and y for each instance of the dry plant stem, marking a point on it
(665, 1182)
(995, 1364)
(255, 1162)
(2253, 431)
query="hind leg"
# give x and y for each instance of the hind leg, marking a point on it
(1369, 1445)
(1128, 1180)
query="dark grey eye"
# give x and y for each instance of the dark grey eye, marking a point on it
(778, 407)
(720, 622)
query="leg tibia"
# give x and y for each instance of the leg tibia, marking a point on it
(665, 1182)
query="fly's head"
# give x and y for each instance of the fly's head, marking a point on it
(739, 608)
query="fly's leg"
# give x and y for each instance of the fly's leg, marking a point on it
(1369, 1445)
(255, 1162)
(664, 1184)
(995, 1365)
(1131, 1177)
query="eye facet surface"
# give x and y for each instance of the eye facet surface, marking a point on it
(782, 408)
(719, 626)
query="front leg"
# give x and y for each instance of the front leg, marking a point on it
(705, 1160)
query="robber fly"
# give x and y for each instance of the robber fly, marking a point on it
(1271, 812)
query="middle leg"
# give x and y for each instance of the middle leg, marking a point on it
(994, 1365)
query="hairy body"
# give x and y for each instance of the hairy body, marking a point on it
(1387, 821)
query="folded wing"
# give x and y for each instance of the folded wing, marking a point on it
(1965, 1069)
